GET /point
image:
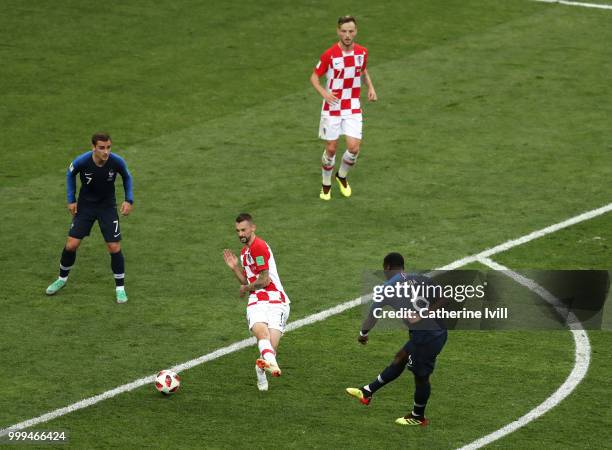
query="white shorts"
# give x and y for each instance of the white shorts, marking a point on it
(275, 315)
(332, 127)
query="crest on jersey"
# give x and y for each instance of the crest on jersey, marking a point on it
(359, 60)
(260, 260)
(111, 174)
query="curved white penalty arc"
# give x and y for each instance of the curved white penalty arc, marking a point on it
(582, 359)
(322, 315)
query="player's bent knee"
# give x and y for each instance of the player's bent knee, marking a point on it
(260, 331)
(113, 247)
(331, 147)
(353, 144)
(72, 244)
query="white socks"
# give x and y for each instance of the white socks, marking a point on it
(327, 167)
(348, 161)
(267, 351)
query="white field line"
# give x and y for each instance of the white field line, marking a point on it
(582, 359)
(584, 5)
(529, 237)
(317, 317)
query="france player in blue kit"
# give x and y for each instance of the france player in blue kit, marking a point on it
(97, 171)
(427, 338)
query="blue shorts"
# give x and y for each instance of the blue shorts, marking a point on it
(422, 357)
(107, 218)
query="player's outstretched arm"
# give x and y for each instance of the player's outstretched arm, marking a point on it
(369, 322)
(371, 91)
(232, 262)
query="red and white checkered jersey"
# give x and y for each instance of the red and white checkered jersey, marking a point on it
(255, 258)
(343, 72)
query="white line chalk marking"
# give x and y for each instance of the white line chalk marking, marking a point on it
(582, 358)
(584, 5)
(317, 317)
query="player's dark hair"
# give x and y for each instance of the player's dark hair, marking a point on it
(101, 136)
(393, 261)
(244, 216)
(346, 19)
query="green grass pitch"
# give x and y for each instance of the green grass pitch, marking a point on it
(493, 120)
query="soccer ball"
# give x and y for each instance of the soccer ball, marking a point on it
(167, 382)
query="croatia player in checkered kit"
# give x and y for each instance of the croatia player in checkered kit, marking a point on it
(343, 64)
(268, 304)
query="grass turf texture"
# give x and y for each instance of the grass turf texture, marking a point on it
(491, 123)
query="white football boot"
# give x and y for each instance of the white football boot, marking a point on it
(262, 379)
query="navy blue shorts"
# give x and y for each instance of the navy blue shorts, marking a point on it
(422, 357)
(107, 218)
